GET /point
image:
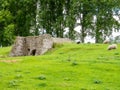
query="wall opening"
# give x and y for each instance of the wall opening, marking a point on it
(33, 52)
(28, 49)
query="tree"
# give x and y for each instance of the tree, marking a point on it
(104, 19)
(102, 11)
(70, 18)
(34, 17)
(24, 13)
(16, 18)
(51, 17)
(6, 26)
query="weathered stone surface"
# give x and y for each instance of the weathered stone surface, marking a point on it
(32, 45)
(61, 40)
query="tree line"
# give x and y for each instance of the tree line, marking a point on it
(35, 17)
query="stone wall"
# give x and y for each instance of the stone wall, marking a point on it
(35, 45)
(61, 40)
(32, 45)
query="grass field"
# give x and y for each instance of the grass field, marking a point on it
(66, 67)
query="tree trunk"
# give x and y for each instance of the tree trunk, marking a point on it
(82, 34)
(96, 37)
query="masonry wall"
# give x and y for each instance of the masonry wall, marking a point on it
(31, 45)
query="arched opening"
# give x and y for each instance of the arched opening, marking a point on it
(28, 49)
(33, 52)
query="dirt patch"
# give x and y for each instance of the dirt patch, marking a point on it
(10, 61)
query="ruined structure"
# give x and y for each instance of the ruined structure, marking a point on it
(62, 40)
(32, 45)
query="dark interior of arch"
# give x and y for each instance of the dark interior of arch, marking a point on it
(33, 52)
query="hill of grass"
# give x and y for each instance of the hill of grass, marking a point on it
(66, 67)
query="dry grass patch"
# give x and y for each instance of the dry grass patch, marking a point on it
(10, 61)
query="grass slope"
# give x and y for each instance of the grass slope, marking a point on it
(66, 67)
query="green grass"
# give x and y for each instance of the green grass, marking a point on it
(66, 67)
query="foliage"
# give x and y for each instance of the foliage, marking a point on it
(34, 17)
(105, 22)
(6, 28)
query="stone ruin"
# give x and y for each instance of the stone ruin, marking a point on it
(32, 45)
(35, 45)
(62, 40)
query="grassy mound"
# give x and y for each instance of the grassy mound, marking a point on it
(66, 67)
